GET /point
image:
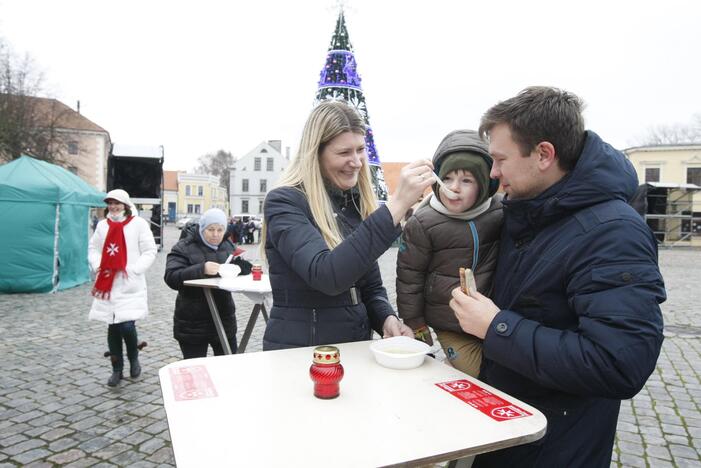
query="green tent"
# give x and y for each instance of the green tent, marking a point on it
(44, 230)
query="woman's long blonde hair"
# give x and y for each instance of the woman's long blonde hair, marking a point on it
(328, 120)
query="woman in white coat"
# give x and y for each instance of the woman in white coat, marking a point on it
(121, 250)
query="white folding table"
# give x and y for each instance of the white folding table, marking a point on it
(258, 409)
(259, 292)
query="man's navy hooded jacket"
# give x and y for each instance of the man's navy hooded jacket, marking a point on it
(580, 326)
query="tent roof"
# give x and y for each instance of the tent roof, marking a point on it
(29, 180)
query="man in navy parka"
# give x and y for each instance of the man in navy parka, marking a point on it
(575, 324)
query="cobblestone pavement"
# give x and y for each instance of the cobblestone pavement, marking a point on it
(55, 409)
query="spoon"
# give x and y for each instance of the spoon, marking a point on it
(446, 191)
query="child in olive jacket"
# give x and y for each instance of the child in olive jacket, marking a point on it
(444, 235)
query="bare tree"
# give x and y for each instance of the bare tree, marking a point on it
(696, 126)
(674, 134)
(27, 122)
(217, 164)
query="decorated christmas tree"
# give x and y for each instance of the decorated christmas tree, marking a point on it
(339, 80)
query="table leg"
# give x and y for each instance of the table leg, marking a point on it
(217, 321)
(249, 326)
(265, 312)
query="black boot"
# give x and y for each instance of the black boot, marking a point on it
(128, 330)
(117, 365)
(114, 379)
(134, 368)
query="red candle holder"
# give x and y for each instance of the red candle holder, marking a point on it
(326, 372)
(257, 272)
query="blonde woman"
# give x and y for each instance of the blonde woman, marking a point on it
(323, 233)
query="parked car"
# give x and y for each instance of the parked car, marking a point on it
(182, 222)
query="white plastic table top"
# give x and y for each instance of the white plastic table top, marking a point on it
(260, 292)
(243, 284)
(265, 414)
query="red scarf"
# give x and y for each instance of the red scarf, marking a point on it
(114, 259)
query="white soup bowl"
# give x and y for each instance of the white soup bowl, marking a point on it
(399, 352)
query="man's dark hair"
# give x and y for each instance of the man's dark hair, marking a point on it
(540, 113)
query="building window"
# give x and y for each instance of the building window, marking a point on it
(693, 175)
(244, 206)
(188, 193)
(72, 147)
(652, 174)
(197, 208)
(256, 164)
(200, 190)
(244, 185)
(260, 205)
(264, 150)
(189, 209)
(263, 185)
(269, 164)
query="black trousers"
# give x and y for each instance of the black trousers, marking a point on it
(198, 350)
(116, 332)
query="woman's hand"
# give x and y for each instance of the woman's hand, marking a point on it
(414, 178)
(211, 268)
(393, 327)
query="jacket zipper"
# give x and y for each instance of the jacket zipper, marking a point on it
(313, 326)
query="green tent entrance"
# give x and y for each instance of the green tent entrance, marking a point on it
(44, 230)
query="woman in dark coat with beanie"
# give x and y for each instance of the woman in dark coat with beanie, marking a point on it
(199, 254)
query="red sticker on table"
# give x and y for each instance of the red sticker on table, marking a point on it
(490, 404)
(191, 383)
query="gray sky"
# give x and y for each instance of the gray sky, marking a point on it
(196, 76)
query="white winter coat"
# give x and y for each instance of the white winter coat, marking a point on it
(128, 300)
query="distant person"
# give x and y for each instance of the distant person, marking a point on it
(199, 255)
(323, 233)
(230, 233)
(250, 231)
(239, 230)
(257, 226)
(93, 222)
(575, 325)
(121, 249)
(444, 235)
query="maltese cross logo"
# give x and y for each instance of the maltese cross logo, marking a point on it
(459, 385)
(112, 249)
(505, 413)
(508, 412)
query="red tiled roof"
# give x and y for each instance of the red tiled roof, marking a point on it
(391, 172)
(170, 180)
(51, 111)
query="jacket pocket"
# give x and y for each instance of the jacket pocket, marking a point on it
(439, 288)
(357, 323)
(428, 285)
(133, 283)
(624, 275)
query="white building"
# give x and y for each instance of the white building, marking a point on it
(253, 175)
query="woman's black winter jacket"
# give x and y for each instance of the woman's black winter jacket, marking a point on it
(192, 322)
(323, 296)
